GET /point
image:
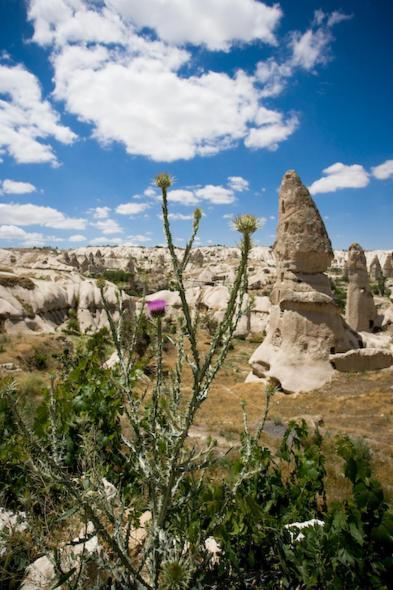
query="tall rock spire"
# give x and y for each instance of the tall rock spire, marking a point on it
(360, 312)
(302, 242)
(305, 327)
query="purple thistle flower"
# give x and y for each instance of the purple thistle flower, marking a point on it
(156, 307)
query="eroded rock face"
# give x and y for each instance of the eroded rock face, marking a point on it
(302, 242)
(360, 310)
(388, 267)
(44, 306)
(375, 270)
(305, 326)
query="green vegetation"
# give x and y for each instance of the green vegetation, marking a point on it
(340, 294)
(131, 424)
(72, 327)
(118, 276)
(16, 281)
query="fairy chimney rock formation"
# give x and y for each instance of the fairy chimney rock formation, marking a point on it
(375, 270)
(197, 258)
(302, 242)
(360, 310)
(305, 326)
(388, 267)
(74, 261)
(84, 266)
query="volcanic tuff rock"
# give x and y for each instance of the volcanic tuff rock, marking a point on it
(361, 314)
(375, 270)
(43, 305)
(302, 243)
(305, 325)
(388, 267)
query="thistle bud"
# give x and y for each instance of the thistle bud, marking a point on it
(246, 224)
(163, 180)
(197, 216)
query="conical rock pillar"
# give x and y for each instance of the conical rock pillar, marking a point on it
(305, 326)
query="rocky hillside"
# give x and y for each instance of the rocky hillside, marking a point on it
(45, 290)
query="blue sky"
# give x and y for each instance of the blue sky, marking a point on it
(97, 97)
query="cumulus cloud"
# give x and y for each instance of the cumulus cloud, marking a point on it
(26, 119)
(18, 234)
(270, 134)
(217, 195)
(238, 183)
(133, 240)
(100, 212)
(179, 217)
(132, 208)
(29, 214)
(307, 50)
(105, 241)
(107, 72)
(340, 176)
(383, 171)
(211, 193)
(183, 196)
(108, 226)
(13, 187)
(77, 238)
(217, 24)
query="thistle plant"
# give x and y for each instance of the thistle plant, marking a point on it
(155, 434)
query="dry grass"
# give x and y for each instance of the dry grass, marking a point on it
(357, 405)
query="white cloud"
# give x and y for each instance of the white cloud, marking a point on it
(195, 115)
(271, 134)
(64, 21)
(26, 119)
(214, 194)
(100, 212)
(337, 17)
(340, 176)
(217, 195)
(182, 196)
(12, 233)
(108, 226)
(310, 48)
(132, 208)
(139, 238)
(238, 183)
(149, 192)
(13, 187)
(306, 51)
(383, 171)
(28, 214)
(104, 241)
(179, 217)
(77, 238)
(133, 240)
(214, 23)
(114, 88)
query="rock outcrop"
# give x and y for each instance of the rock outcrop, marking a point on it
(43, 306)
(360, 310)
(305, 326)
(375, 272)
(388, 266)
